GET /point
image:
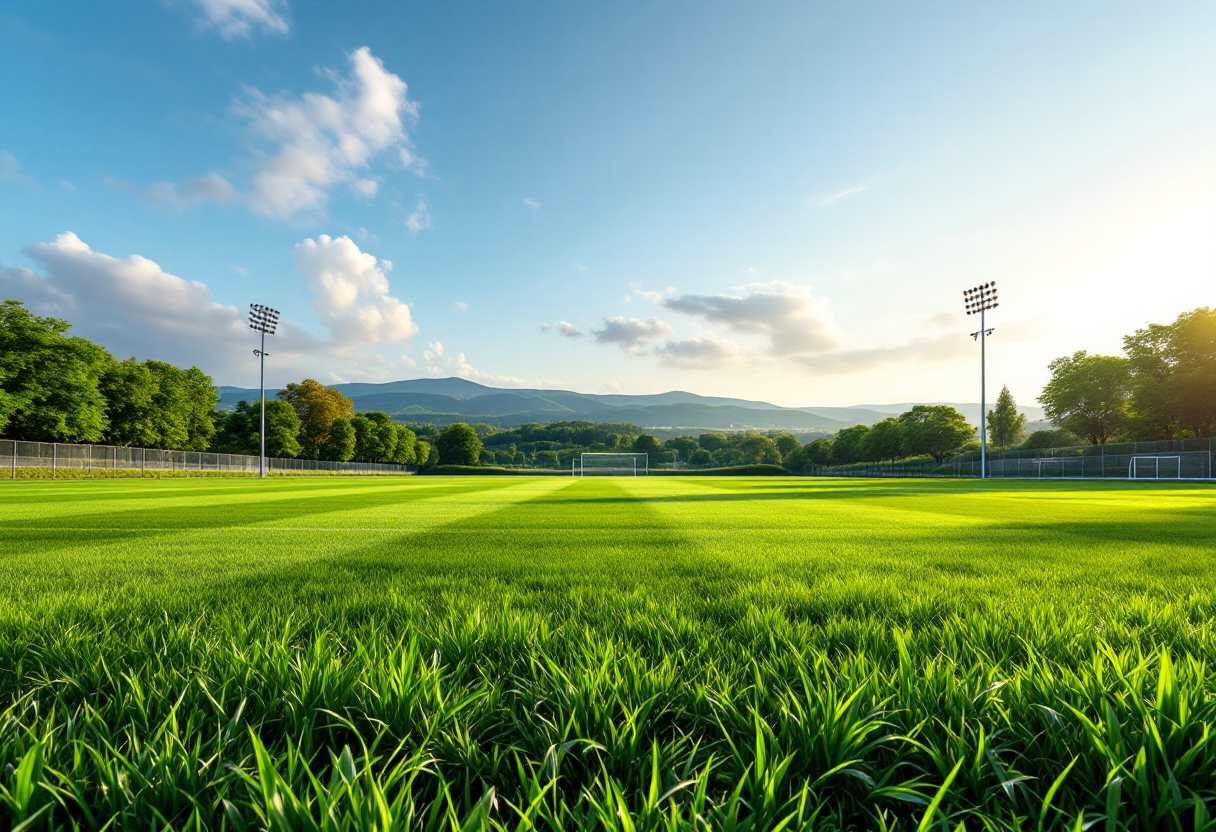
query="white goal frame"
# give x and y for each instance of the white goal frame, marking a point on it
(629, 465)
(1131, 466)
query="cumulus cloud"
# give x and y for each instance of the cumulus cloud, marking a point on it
(532, 203)
(239, 18)
(10, 171)
(439, 363)
(352, 292)
(789, 317)
(698, 353)
(461, 306)
(320, 140)
(563, 328)
(133, 307)
(630, 334)
(419, 220)
(305, 146)
(210, 187)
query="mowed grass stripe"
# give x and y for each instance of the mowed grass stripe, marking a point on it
(823, 652)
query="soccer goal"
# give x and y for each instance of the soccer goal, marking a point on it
(1184, 465)
(613, 465)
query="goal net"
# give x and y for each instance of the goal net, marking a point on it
(1176, 466)
(612, 465)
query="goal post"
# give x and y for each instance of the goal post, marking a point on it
(1179, 465)
(613, 465)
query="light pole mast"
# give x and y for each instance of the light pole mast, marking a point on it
(978, 301)
(263, 320)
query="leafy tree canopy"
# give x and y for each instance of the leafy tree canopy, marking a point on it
(49, 382)
(459, 444)
(937, 430)
(1088, 395)
(317, 406)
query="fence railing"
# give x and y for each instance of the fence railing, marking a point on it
(19, 458)
(1167, 459)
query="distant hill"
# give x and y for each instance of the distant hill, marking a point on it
(445, 400)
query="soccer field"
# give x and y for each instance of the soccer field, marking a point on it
(401, 653)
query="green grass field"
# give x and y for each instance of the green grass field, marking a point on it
(727, 654)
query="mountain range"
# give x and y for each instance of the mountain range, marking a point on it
(445, 400)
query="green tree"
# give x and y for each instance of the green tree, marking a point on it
(756, 449)
(405, 452)
(712, 441)
(157, 405)
(49, 382)
(682, 445)
(367, 439)
(1172, 370)
(546, 459)
(847, 447)
(317, 406)
(426, 455)
(459, 444)
(647, 444)
(937, 430)
(237, 430)
(787, 444)
(129, 391)
(1006, 427)
(1088, 395)
(819, 452)
(700, 458)
(339, 441)
(884, 441)
(1043, 439)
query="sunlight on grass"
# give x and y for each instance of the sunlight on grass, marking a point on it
(553, 653)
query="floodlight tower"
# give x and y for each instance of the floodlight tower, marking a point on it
(978, 301)
(262, 320)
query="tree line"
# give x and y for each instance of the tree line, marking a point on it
(1162, 387)
(59, 388)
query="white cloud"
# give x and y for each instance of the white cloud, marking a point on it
(10, 171)
(239, 18)
(419, 220)
(352, 292)
(833, 198)
(698, 353)
(320, 140)
(532, 203)
(461, 306)
(67, 185)
(789, 317)
(439, 363)
(305, 146)
(210, 187)
(653, 296)
(630, 334)
(133, 307)
(563, 328)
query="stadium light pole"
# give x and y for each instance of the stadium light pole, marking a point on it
(977, 302)
(262, 320)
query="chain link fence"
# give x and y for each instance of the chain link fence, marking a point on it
(41, 459)
(1169, 459)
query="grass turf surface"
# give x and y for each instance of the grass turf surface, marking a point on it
(669, 653)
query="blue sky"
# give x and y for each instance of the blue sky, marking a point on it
(777, 201)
